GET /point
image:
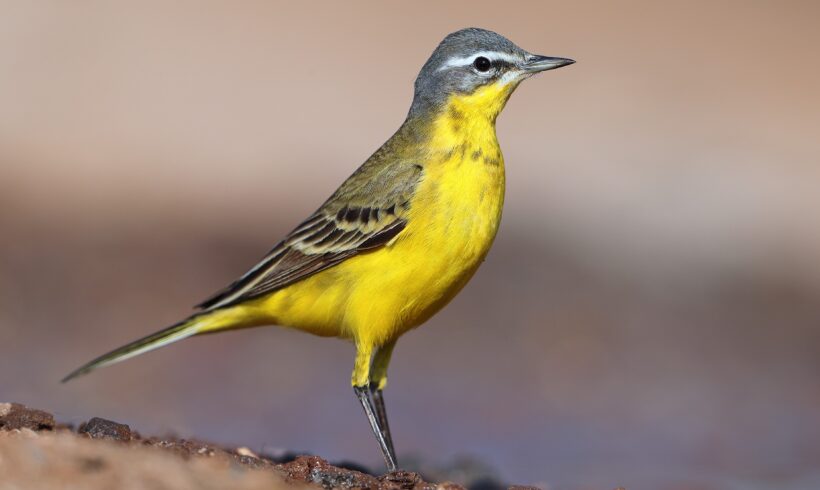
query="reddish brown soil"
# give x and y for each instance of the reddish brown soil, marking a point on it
(37, 452)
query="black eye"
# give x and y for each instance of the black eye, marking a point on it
(482, 64)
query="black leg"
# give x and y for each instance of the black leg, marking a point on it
(381, 415)
(363, 394)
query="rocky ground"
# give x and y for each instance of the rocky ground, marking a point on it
(36, 452)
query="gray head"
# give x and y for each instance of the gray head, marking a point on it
(470, 59)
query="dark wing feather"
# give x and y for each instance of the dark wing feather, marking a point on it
(365, 213)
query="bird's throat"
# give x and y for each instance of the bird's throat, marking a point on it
(466, 125)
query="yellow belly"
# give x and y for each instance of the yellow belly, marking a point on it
(376, 296)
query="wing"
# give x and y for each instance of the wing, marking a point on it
(366, 212)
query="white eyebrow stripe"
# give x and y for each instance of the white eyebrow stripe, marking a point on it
(468, 60)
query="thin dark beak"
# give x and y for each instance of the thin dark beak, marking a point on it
(536, 63)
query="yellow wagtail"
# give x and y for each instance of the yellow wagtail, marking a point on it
(400, 237)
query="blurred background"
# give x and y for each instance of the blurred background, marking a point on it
(648, 317)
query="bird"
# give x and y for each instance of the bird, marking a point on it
(398, 239)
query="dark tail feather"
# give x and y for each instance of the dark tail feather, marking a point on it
(156, 340)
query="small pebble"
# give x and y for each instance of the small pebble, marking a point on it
(16, 416)
(98, 428)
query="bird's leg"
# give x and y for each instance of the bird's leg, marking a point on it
(361, 382)
(378, 381)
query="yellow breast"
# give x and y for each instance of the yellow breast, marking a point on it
(454, 215)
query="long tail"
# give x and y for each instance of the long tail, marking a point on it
(184, 329)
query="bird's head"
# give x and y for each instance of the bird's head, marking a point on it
(478, 70)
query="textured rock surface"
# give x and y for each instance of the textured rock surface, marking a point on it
(45, 460)
(98, 428)
(16, 416)
(35, 452)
